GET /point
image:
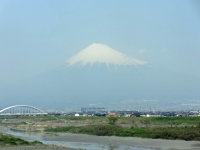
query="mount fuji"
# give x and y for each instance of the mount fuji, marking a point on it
(100, 53)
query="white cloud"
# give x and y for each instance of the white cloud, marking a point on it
(99, 53)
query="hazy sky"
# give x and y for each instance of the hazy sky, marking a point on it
(39, 38)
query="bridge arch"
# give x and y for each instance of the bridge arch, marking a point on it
(22, 110)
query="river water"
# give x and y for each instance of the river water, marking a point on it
(72, 142)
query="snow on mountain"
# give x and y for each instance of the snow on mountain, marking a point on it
(100, 53)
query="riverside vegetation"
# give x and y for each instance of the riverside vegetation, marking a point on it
(186, 133)
(6, 140)
(186, 128)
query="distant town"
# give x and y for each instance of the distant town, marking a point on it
(101, 111)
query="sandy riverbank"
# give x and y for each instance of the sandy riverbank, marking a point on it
(159, 144)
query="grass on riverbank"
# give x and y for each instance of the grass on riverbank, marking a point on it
(93, 120)
(175, 121)
(6, 140)
(184, 133)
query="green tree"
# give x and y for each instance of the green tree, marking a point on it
(112, 120)
(198, 125)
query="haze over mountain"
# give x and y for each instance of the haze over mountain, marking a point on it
(121, 55)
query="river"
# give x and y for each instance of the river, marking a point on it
(90, 142)
(32, 136)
